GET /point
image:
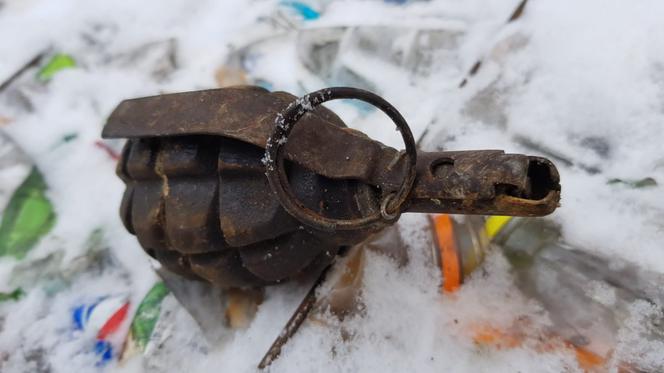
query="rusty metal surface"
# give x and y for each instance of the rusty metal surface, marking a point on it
(475, 182)
(247, 114)
(485, 182)
(201, 206)
(199, 201)
(400, 167)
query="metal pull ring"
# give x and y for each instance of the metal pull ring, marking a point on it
(276, 174)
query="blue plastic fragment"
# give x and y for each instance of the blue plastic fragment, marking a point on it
(81, 314)
(104, 350)
(78, 317)
(303, 9)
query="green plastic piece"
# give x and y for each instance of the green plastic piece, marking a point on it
(641, 183)
(28, 216)
(69, 137)
(56, 64)
(17, 294)
(147, 315)
(65, 139)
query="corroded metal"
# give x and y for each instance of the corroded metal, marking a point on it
(475, 182)
(199, 201)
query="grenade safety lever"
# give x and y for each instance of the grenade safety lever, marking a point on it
(484, 182)
(487, 182)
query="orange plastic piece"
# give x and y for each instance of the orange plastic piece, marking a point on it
(449, 254)
(491, 336)
(589, 361)
(487, 335)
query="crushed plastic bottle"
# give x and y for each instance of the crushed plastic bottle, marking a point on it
(340, 55)
(345, 54)
(588, 297)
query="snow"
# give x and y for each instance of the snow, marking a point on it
(582, 79)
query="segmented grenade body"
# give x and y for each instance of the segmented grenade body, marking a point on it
(202, 206)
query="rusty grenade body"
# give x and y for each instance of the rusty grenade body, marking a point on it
(198, 199)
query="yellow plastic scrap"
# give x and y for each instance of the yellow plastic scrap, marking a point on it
(494, 224)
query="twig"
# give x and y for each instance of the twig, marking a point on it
(516, 14)
(31, 63)
(294, 322)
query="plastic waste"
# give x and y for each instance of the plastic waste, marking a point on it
(29, 214)
(157, 59)
(203, 302)
(178, 313)
(402, 2)
(64, 140)
(343, 54)
(246, 63)
(453, 243)
(589, 298)
(27, 218)
(52, 274)
(15, 166)
(347, 55)
(304, 10)
(456, 244)
(102, 320)
(56, 63)
(144, 321)
(645, 182)
(176, 334)
(14, 295)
